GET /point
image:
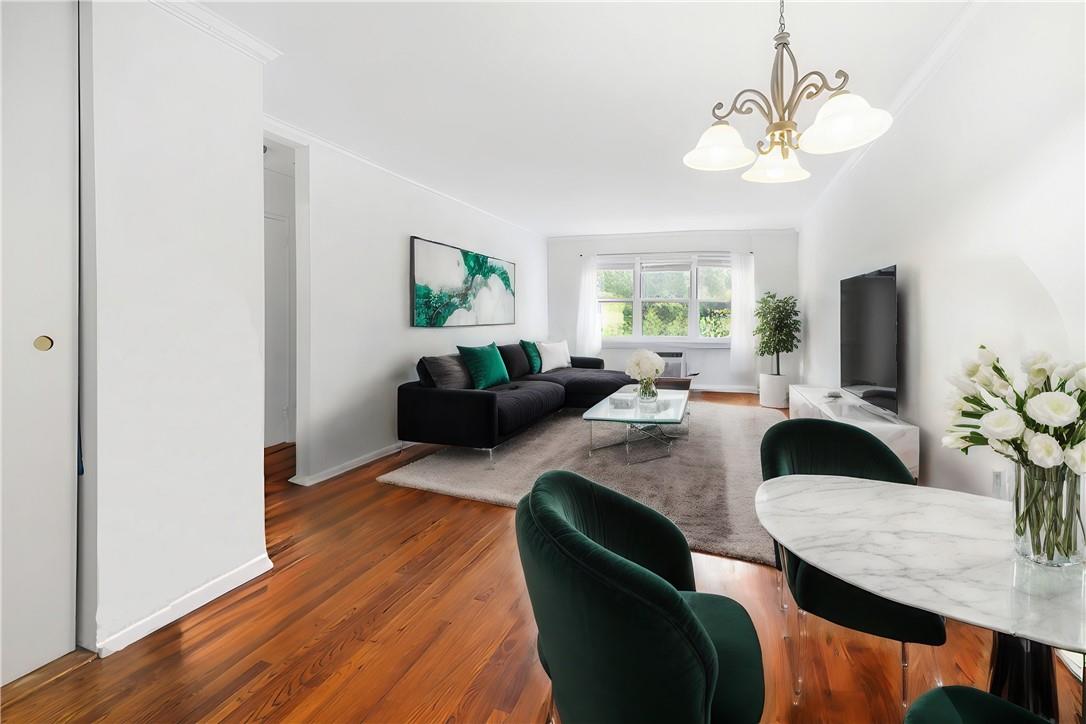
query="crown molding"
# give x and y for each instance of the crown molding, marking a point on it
(201, 17)
(297, 136)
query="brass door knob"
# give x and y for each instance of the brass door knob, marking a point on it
(43, 343)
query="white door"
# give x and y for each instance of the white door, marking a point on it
(278, 348)
(39, 360)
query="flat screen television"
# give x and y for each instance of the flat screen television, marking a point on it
(869, 337)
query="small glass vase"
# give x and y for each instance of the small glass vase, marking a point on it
(646, 390)
(1048, 525)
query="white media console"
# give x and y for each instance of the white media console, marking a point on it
(899, 436)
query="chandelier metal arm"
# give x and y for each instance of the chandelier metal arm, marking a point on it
(744, 103)
(811, 86)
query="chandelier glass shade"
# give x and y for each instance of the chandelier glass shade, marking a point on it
(780, 165)
(845, 121)
(720, 148)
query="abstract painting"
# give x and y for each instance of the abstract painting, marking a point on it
(453, 287)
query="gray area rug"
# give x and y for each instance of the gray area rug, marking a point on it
(706, 486)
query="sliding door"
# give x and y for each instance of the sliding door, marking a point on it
(39, 360)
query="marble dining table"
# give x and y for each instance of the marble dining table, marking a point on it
(943, 551)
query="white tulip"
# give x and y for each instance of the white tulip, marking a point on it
(970, 367)
(1075, 458)
(1079, 380)
(1002, 425)
(1063, 371)
(1037, 359)
(1027, 436)
(1003, 389)
(986, 356)
(962, 384)
(1037, 375)
(1054, 409)
(956, 404)
(954, 442)
(1045, 451)
(985, 377)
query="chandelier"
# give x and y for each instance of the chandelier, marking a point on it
(845, 121)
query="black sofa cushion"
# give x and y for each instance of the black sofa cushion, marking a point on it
(447, 372)
(516, 361)
(523, 403)
(585, 387)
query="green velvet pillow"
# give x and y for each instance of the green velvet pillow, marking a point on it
(535, 362)
(485, 365)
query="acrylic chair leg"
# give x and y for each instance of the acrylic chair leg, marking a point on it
(798, 650)
(550, 706)
(782, 601)
(936, 669)
(904, 676)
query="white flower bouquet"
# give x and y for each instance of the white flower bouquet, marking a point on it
(645, 366)
(1039, 423)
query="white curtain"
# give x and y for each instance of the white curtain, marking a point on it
(742, 352)
(589, 335)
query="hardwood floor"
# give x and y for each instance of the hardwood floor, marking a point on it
(393, 605)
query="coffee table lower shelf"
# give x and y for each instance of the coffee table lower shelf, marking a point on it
(638, 435)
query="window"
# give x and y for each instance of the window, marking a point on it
(665, 299)
(615, 292)
(661, 297)
(714, 300)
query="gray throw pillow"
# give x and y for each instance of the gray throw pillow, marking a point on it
(449, 372)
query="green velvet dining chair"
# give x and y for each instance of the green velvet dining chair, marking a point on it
(623, 635)
(825, 447)
(966, 705)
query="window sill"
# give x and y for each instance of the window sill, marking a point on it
(665, 343)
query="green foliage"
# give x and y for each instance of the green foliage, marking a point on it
(714, 319)
(663, 319)
(617, 319)
(715, 283)
(614, 284)
(778, 327)
(665, 284)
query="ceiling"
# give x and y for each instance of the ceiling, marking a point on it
(573, 118)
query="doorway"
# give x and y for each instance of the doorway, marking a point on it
(280, 337)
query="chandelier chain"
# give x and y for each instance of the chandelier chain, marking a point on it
(781, 29)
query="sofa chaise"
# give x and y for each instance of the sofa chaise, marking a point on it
(437, 411)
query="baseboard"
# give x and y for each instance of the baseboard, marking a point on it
(349, 465)
(186, 604)
(724, 388)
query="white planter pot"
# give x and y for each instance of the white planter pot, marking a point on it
(773, 390)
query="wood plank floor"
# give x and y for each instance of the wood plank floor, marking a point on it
(394, 605)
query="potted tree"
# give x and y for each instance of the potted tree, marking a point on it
(777, 330)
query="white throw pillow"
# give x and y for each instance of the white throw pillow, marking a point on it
(553, 355)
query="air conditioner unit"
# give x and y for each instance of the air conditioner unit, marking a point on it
(674, 364)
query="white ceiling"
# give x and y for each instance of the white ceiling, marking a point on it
(573, 118)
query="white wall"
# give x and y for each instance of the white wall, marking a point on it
(977, 194)
(172, 376)
(356, 264)
(774, 271)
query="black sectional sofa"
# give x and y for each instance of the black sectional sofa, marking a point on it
(486, 418)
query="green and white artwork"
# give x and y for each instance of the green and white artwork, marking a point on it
(452, 287)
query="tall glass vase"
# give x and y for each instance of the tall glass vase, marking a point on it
(646, 390)
(1048, 517)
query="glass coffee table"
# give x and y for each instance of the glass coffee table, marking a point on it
(656, 424)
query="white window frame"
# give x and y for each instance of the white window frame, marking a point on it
(693, 336)
(601, 301)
